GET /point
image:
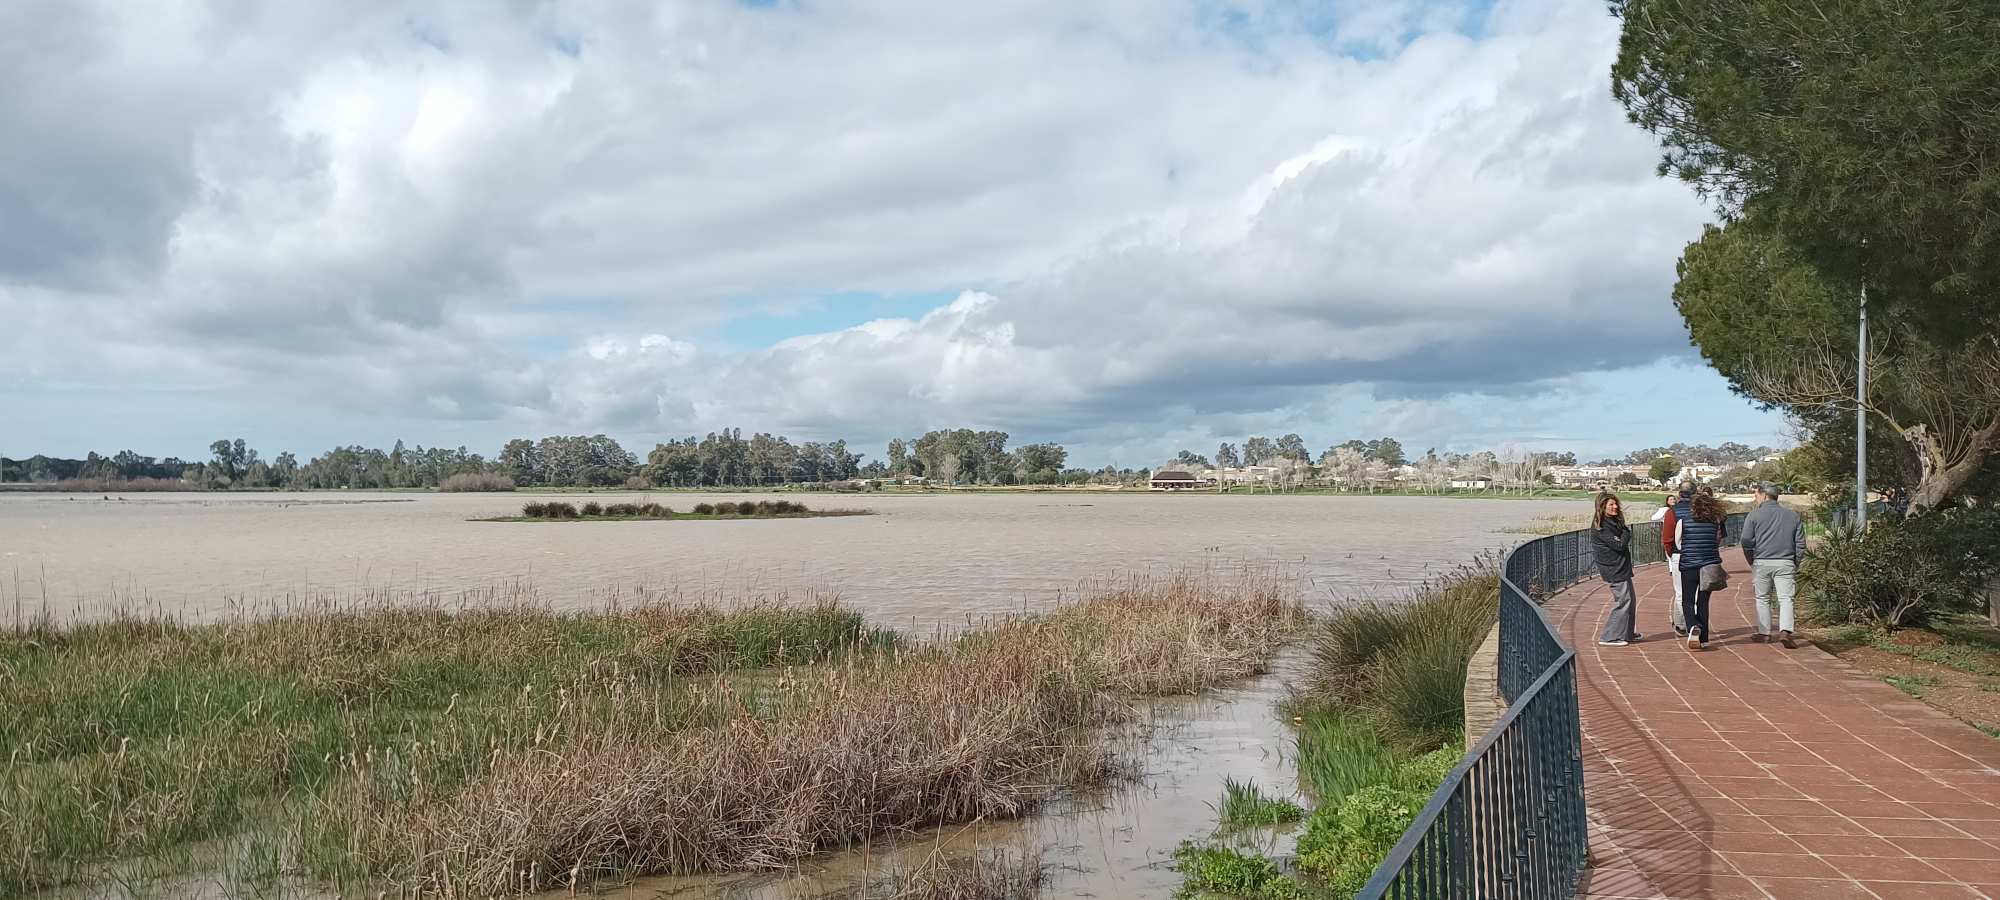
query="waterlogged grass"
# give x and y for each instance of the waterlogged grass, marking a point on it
(1344, 842)
(485, 752)
(1401, 664)
(134, 735)
(1340, 754)
(1245, 805)
(1225, 872)
(654, 512)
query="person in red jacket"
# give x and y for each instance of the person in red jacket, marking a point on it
(1679, 507)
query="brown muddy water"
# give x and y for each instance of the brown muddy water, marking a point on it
(924, 562)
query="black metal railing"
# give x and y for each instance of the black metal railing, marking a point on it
(1509, 821)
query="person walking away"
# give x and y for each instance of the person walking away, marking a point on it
(1699, 536)
(1678, 507)
(1613, 544)
(1774, 544)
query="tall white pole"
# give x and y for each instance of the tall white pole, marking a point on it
(1861, 421)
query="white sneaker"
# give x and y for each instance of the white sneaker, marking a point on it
(1694, 640)
(1612, 643)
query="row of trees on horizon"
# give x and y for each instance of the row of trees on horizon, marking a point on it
(727, 458)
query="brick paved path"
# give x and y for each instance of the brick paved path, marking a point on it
(1747, 770)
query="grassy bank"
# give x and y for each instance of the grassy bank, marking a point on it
(491, 752)
(1952, 664)
(1380, 719)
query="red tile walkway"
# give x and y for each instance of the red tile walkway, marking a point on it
(1750, 771)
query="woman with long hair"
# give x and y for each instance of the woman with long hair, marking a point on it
(1699, 538)
(1613, 544)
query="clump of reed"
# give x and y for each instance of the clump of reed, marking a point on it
(1180, 633)
(1402, 663)
(982, 876)
(594, 510)
(817, 760)
(476, 481)
(1244, 804)
(132, 736)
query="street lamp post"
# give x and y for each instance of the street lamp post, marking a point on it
(1861, 418)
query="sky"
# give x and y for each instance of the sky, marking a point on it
(1129, 226)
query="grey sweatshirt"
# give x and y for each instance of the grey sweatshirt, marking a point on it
(1773, 532)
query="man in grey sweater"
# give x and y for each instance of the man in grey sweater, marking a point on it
(1774, 543)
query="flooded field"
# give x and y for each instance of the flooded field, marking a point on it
(924, 560)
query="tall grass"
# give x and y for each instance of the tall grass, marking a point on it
(1339, 754)
(1245, 804)
(488, 751)
(1403, 663)
(120, 485)
(129, 736)
(476, 481)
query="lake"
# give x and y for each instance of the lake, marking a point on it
(925, 561)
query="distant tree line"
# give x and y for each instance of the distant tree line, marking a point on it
(726, 458)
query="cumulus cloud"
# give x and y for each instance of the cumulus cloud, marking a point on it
(1161, 221)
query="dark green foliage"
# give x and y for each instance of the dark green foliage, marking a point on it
(1875, 120)
(1905, 573)
(704, 509)
(535, 510)
(560, 510)
(1244, 804)
(591, 509)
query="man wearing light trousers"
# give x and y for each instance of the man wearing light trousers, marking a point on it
(1774, 543)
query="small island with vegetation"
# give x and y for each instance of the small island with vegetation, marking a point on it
(558, 511)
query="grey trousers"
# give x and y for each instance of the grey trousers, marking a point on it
(1621, 624)
(1777, 579)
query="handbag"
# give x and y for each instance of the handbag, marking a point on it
(1713, 578)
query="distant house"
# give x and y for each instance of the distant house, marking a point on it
(1474, 484)
(1173, 480)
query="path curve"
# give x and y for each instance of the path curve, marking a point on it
(1750, 771)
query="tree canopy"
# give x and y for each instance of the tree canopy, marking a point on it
(1863, 132)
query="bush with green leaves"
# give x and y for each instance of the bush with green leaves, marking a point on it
(592, 509)
(1344, 842)
(1905, 573)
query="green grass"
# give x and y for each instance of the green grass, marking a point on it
(1402, 663)
(1970, 647)
(1218, 872)
(1914, 685)
(131, 736)
(1243, 804)
(1340, 754)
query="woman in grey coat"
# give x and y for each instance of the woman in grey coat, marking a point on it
(1612, 540)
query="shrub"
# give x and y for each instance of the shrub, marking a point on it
(535, 510)
(476, 481)
(1244, 804)
(1224, 871)
(559, 510)
(1903, 573)
(1344, 842)
(592, 509)
(763, 508)
(725, 508)
(638, 483)
(704, 509)
(654, 510)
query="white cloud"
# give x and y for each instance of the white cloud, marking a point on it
(534, 216)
